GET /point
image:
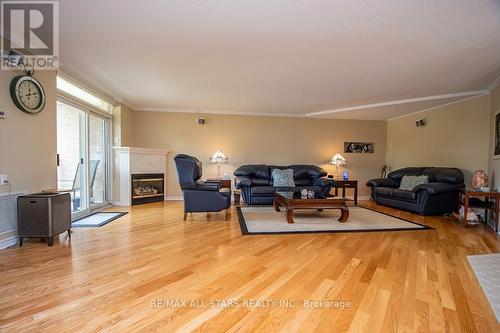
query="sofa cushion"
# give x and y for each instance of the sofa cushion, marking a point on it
(404, 195)
(398, 174)
(383, 191)
(302, 182)
(260, 181)
(445, 175)
(307, 171)
(253, 171)
(260, 191)
(282, 178)
(410, 182)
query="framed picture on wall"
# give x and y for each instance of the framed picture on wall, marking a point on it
(359, 147)
(496, 146)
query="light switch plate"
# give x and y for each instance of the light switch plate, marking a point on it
(4, 179)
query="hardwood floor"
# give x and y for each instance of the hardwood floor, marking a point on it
(114, 278)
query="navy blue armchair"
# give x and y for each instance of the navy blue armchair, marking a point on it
(199, 195)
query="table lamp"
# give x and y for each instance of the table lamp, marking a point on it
(338, 160)
(219, 158)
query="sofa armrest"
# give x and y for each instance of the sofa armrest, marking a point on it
(207, 186)
(242, 181)
(324, 182)
(213, 181)
(382, 182)
(436, 188)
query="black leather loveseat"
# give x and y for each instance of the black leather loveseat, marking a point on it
(437, 197)
(256, 183)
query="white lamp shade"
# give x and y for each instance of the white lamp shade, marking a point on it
(218, 157)
(338, 160)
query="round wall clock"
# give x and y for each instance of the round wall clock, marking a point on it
(27, 93)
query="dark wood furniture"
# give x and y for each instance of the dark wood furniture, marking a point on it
(224, 183)
(345, 184)
(237, 197)
(488, 205)
(290, 202)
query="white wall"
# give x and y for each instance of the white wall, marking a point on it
(456, 135)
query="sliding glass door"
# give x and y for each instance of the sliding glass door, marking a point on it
(83, 148)
(98, 157)
(71, 147)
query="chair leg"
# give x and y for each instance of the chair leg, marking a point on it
(226, 214)
(69, 233)
(185, 216)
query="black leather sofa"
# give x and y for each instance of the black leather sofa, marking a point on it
(439, 196)
(199, 195)
(256, 183)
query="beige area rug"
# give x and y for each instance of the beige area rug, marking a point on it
(265, 220)
(487, 269)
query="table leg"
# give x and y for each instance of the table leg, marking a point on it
(343, 192)
(276, 205)
(466, 208)
(336, 191)
(345, 214)
(289, 215)
(497, 209)
(356, 196)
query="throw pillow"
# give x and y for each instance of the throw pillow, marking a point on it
(283, 178)
(409, 182)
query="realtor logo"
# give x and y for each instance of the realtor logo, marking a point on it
(30, 34)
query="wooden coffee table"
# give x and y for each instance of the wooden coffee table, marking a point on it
(291, 203)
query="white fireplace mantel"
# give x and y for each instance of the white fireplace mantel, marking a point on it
(132, 160)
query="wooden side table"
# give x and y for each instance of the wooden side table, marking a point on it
(493, 206)
(345, 184)
(226, 183)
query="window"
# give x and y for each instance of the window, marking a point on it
(75, 91)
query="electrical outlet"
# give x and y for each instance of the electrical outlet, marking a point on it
(4, 179)
(2, 114)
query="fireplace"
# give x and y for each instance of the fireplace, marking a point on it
(147, 187)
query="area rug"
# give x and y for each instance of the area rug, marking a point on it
(265, 220)
(97, 219)
(487, 270)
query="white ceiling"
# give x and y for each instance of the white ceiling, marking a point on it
(283, 57)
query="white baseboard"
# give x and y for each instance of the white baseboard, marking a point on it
(8, 242)
(174, 198)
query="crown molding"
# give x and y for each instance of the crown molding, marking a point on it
(400, 101)
(438, 106)
(221, 112)
(495, 84)
(324, 114)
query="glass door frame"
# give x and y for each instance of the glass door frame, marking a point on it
(107, 159)
(88, 111)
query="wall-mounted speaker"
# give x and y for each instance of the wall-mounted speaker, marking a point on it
(420, 122)
(200, 121)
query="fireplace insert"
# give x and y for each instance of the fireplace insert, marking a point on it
(148, 187)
